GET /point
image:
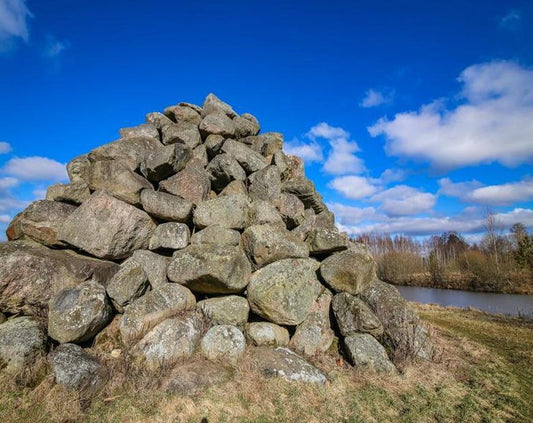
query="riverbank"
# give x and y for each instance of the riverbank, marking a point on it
(481, 372)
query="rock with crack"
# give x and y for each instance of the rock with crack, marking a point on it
(165, 206)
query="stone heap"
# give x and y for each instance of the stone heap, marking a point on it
(193, 233)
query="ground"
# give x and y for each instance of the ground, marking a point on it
(482, 372)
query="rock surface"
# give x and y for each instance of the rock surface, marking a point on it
(128, 284)
(170, 236)
(266, 334)
(224, 343)
(366, 353)
(216, 235)
(354, 316)
(229, 310)
(165, 206)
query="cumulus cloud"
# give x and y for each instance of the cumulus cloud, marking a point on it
(375, 98)
(494, 195)
(54, 47)
(14, 17)
(5, 147)
(512, 20)
(354, 187)
(7, 183)
(308, 152)
(403, 200)
(35, 169)
(493, 123)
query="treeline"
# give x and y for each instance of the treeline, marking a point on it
(500, 262)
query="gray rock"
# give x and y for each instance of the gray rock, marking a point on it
(292, 210)
(368, 354)
(160, 303)
(314, 335)
(107, 228)
(210, 269)
(223, 342)
(212, 104)
(305, 190)
(262, 212)
(282, 362)
(349, 271)
(154, 265)
(78, 370)
(354, 316)
(193, 378)
(166, 206)
(265, 184)
(173, 236)
(217, 123)
(192, 184)
(3, 318)
(229, 310)
(325, 219)
(168, 342)
(144, 130)
(246, 125)
(324, 241)
(283, 292)
(183, 113)
(266, 334)
(227, 211)
(200, 154)
(217, 235)
(213, 144)
(166, 161)
(234, 188)
(404, 333)
(224, 169)
(41, 221)
(186, 133)
(255, 143)
(132, 151)
(22, 344)
(303, 229)
(291, 167)
(31, 274)
(120, 181)
(264, 244)
(128, 284)
(78, 169)
(78, 314)
(250, 160)
(74, 193)
(272, 143)
(159, 120)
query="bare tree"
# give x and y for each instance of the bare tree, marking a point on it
(493, 228)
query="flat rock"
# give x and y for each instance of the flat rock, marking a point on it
(186, 133)
(132, 151)
(143, 130)
(73, 193)
(128, 284)
(226, 211)
(265, 184)
(22, 344)
(366, 353)
(192, 184)
(217, 123)
(107, 227)
(210, 269)
(283, 292)
(224, 169)
(349, 271)
(262, 212)
(78, 314)
(354, 316)
(165, 206)
(170, 236)
(217, 235)
(228, 310)
(325, 241)
(250, 160)
(266, 334)
(223, 343)
(246, 125)
(165, 162)
(282, 362)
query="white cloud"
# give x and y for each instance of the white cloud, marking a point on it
(7, 183)
(323, 130)
(13, 20)
(308, 152)
(493, 124)
(35, 169)
(403, 200)
(4, 218)
(354, 187)
(392, 175)
(5, 147)
(375, 98)
(351, 215)
(54, 47)
(10, 204)
(511, 20)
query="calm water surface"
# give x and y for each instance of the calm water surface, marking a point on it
(511, 304)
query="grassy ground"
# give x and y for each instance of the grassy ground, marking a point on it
(481, 373)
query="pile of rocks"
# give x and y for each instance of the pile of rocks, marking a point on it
(193, 233)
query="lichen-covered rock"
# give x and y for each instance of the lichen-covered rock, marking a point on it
(131, 151)
(76, 369)
(165, 206)
(165, 162)
(227, 211)
(246, 125)
(210, 269)
(354, 316)
(154, 265)
(192, 184)
(183, 113)
(365, 353)
(78, 169)
(155, 306)
(107, 228)
(143, 130)
(186, 133)
(283, 292)
(291, 209)
(305, 190)
(159, 120)
(250, 160)
(262, 212)
(213, 144)
(265, 184)
(291, 167)
(324, 241)
(73, 193)
(224, 169)
(302, 230)
(200, 154)
(234, 188)
(349, 271)
(266, 244)
(266, 334)
(128, 284)
(171, 236)
(284, 363)
(217, 123)
(229, 310)
(404, 333)
(272, 143)
(223, 342)
(78, 314)
(31, 274)
(22, 344)
(216, 235)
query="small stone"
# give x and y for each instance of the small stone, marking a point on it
(354, 316)
(266, 334)
(223, 342)
(229, 310)
(325, 241)
(247, 158)
(166, 206)
(227, 211)
(192, 184)
(217, 123)
(217, 235)
(128, 284)
(173, 236)
(366, 353)
(74, 193)
(184, 132)
(116, 353)
(213, 144)
(144, 130)
(166, 161)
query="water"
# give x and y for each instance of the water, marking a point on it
(511, 304)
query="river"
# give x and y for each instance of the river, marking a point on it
(510, 304)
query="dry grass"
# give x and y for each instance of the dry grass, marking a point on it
(481, 373)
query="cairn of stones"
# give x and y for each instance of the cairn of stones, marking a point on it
(193, 233)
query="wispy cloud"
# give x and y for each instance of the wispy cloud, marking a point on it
(35, 169)
(374, 98)
(511, 20)
(14, 16)
(54, 47)
(309, 152)
(5, 147)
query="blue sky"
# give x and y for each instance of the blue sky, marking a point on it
(414, 117)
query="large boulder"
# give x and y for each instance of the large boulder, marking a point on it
(283, 292)
(192, 184)
(266, 244)
(212, 104)
(76, 369)
(165, 206)
(227, 211)
(292, 210)
(349, 271)
(165, 162)
(354, 316)
(224, 169)
(73, 193)
(78, 314)
(228, 310)
(78, 169)
(326, 240)
(246, 125)
(217, 123)
(170, 236)
(223, 342)
(305, 190)
(31, 274)
(183, 112)
(132, 151)
(404, 333)
(217, 235)
(250, 160)
(269, 334)
(22, 344)
(107, 228)
(213, 144)
(366, 353)
(210, 269)
(155, 306)
(128, 284)
(186, 133)
(262, 212)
